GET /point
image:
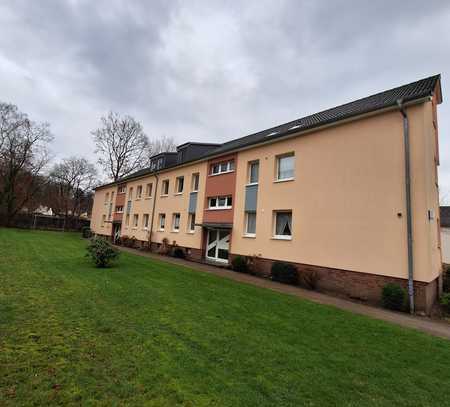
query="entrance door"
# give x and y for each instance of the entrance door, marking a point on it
(116, 235)
(218, 245)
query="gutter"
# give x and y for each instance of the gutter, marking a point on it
(409, 234)
(153, 211)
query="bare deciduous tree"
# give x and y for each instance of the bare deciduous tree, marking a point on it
(74, 178)
(162, 145)
(121, 144)
(23, 157)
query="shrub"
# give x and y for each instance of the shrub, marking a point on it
(240, 264)
(284, 273)
(86, 232)
(308, 279)
(128, 241)
(164, 249)
(445, 302)
(446, 278)
(393, 297)
(179, 253)
(101, 252)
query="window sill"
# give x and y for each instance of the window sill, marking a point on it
(161, 230)
(138, 199)
(280, 237)
(174, 231)
(283, 180)
(164, 196)
(221, 173)
(178, 193)
(190, 232)
(219, 209)
(249, 235)
(134, 228)
(148, 197)
(250, 184)
(194, 190)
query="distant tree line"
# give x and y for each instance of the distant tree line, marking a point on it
(30, 178)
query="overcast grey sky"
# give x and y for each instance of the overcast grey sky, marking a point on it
(213, 70)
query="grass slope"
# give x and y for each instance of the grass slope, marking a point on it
(149, 333)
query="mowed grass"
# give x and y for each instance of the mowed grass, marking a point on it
(149, 333)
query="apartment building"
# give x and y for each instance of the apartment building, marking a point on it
(350, 192)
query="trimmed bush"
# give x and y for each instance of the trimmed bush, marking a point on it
(128, 241)
(284, 273)
(240, 264)
(86, 232)
(101, 252)
(446, 278)
(179, 253)
(445, 302)
(393, 297)
(308, 279)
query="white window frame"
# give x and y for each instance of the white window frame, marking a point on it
(118, 209)
(230, 166)
(149, 190)
(177, 185)
(217, 206)
(281, 237)
(130, 193)
(135, 221)
(191, 223)
(145, 221)
(246, 232)
(195, 179)
(175, 216)
(161, 225)
(138, 192)
(165, 182)
(277, 169)
(249, 172)
(122, 189)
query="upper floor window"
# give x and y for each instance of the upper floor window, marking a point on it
(112, 196)
(223, 167)
(253, 172)
(162, 221)
(121, 189)
(283, 225)
(127, 220)
(180, 185)
(191, 223)
(165, 187)
(176, 222)
(106, 198)
(139, 192)
(119, 209)
(195, 181)
(130, 193)
(148, 190)
(220, 202)
(285, 167)
(135, 220)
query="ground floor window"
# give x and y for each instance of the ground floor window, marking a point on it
(250, 223)
(145, 221)
(283, 224)
(162, 221)
(191, 223)
(127, 220)
(103, 220)
(135, 221)
(176, 222)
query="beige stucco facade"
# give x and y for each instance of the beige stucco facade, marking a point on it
(347, 197)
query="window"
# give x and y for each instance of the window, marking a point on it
(165, 187)
(130, 193)
(103, 220)
(112, 196)
(122, 189)
(119, 209)
(253, 172)
(250, 224)
(106, 198)
(148, 190)
(195, 182)
(135, 221)
(139, 192)
(285, 167)
(127, 220)
(283, 225)
(191, 223)
(145, 221)
(220, 168)
(220, 202)
(176, 222)
(162, 221)
(180, 185)
(110, 210)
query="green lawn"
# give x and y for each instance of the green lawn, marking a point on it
(149, 333)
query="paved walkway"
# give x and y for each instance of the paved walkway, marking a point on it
(424, 324)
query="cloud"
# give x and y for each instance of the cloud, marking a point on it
(212, 71)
